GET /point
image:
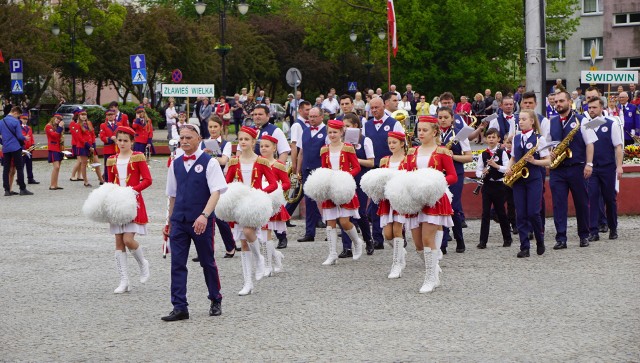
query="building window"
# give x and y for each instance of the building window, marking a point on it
(626, 19)
(591, 7)
(586, 47)
(627, 63)
(556, 50)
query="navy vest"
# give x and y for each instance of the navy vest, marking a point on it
(458, 122)
(535, 171)
(456, 148)
(577, 145)
(311, 149)
(604, 153)
(504, 127)
(379, 138)
(628, 114)
(493, 173)
(269, 128)
(192, 190)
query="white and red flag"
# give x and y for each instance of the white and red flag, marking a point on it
(391, 18)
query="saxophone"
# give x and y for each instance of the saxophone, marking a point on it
(519, 170)
(562, 151)
(452, 140)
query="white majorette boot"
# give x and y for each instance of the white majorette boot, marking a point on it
(268, 266)
(277, 260)
(332, 239)
(257, 257)
(430, 271)
(437, 270)
(121, 265)
(357, 242)
(439, 236)
(399, 254)
(142, 263)
(247, 287)
(274, 257)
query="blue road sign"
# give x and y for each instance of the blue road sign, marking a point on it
(137, 61)
(17, 87)
(139, 76)
(352, 86)
(15, 65)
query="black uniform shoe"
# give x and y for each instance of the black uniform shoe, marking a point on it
(345, 254)
(282, 243)
(321, 224)
(378, 246)
(523, 253)
(507, 243)
(306, 239)
(7, 193)
(514, 230)
(229, 255)
(195, 259)
(613, 234)
(215, 309)
(460, 248)
(444, 250)
(290, 225)
(540, 249)
(603, 228)
(176, 315)
(584, 242)
(560, 245)
(238, 248)
(463, 224)
(25, 192)
(369, 247)
(33, 181)
(14, 193)
(594, 237)
(482, 245)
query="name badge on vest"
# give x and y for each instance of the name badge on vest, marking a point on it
(573, 125)
(496, 158)
(358, 146)
(387, 128)
(605, 129)
(265, 133)
(320, 136)
(529, 145)
(630, 114)
(198, 168)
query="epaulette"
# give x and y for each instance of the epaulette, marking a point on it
(280, 166)
(442, 150)
(112, 160)
(233, 161)
(411, 151)
(262, 161)
(324, 149)
(137, 157)
(384, 161)
(348, 148)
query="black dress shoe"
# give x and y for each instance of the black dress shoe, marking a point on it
(7, 193)
(594, 237)
(369, 247)
(306, 239)
(460, 249)
(463, 224)
(238, 248)
(613, 234)
(290, 225)
(584, 242)
(176, 315)
(378, 245)
(216, 308)
(282, 243)
(14, 193)
(540, 249)
(603, 228)
(229, 255)
(560, 245)
(514, 230)
(33, 181)
(507, 243)
(321, 224)
(444, 250)
(25, 192)
(195, 259)
(482, 245)
(523, 253)
(345, 254)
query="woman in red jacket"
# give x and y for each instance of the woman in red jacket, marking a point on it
(55, 144)
(81, 139)
(431, 219)
(340, 156)
(143, 129)
(221, 110)
(129, 168)
(93, 152)
(278, 222)
(250, 169)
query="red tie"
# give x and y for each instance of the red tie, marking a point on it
(377, 122)
(190, 157)
(563, 119)
(314, 128)
(509, 117)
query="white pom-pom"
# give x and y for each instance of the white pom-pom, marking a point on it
(93, 206)
(277, 200)
(430, 185)
(401, 194)
(225, 209)
(254, 210)
(374, 181)
(318, 185)
(121, 207)
(343, 187)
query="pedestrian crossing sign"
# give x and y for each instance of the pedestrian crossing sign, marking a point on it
(16, 87)
(353, 86)
(139, 76)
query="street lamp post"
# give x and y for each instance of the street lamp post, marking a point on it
(223, 49)
(88, 29)
(367, 41)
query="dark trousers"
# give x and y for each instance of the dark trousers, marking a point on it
(182, 234)
(493, 194)
(376, 230)
(456, 204)
(526, 196)
(543, 204)
(602, 187)
(561, 181)
(511, 208)
(28, 165)
(105, 174)
(16, 157)
(363, 222)
(312, 215)
(237, 121)
(226, 235)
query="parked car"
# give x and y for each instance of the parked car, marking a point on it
(66, 111)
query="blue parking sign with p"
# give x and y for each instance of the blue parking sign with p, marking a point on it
(15, 65)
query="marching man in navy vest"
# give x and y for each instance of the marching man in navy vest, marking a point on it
(312, 140)
(607, 167)
(194, 184)
(570, 175)
(552, 111)
(377, 129)
(261, 119)
(629, 114)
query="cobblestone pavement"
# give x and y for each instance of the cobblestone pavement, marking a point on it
(57, 274)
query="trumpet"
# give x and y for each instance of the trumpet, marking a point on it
(404, 118)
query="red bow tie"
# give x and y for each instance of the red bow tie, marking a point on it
(509, 117)
(377, 122)
(190, 157)
(563, 119)
(314, 128)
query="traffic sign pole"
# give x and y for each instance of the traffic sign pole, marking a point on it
(294, 78)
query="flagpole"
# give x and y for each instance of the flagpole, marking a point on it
(388, 55)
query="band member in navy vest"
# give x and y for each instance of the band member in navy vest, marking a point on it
(108, 136)
(311, 142)
(552, 111)
(631, 117)
(570, 175)
(194, 184)
(492, 164)
(55, 142)
(377, 129)
(607, 167)
(460, 151)
(365, 155)
(511, 208)
(261, 119)
(527, 192)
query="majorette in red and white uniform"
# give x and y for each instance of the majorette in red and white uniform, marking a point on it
(386, 213)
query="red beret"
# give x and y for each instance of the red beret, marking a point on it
(270, 138)
(109, 111)
(397, 135)
(335, 124)
(126, 130)
(57, 115)
(139, 108)
(429, 119)
(251, 131)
